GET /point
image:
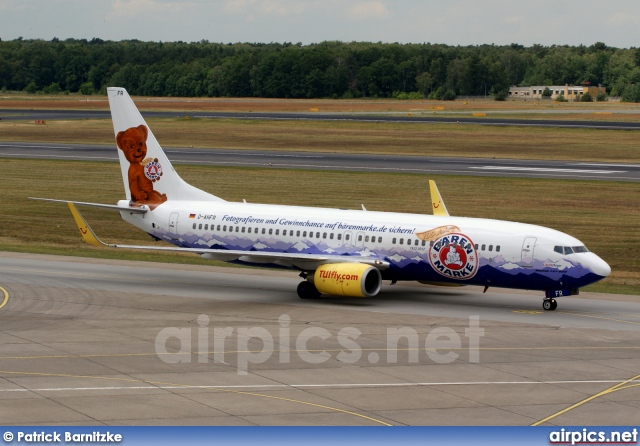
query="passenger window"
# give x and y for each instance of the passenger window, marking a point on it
(256, 230)
(218, 227)
(317, 235)
(297, 233)
(324, 235)
(393, 241)
(237, 228)
(331, 236)
(379, 239)
(243, 229)
(359, 238)
(194, 226)
(431, 243)
(200, 226)
(249, 230)
(424, 242)
(339, 236)
(270, 231)
(417, 241)
(476, 246)
(484, 247)
(498, 248)
(490, 247)
(277, 231)
(263, 230)
(346, 236)
(310, 234)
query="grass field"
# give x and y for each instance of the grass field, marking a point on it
(604, 215)
(463, 140)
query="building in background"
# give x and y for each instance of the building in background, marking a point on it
(568, 92)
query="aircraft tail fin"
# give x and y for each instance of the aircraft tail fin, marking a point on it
(149, 178)
(437, 203)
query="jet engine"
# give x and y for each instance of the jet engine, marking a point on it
(348, 279)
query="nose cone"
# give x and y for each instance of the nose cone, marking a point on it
(599, 266)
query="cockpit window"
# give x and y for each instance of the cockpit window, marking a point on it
(570, 249)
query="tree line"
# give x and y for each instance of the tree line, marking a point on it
(323, 70)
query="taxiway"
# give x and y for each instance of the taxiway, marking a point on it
(85, 341)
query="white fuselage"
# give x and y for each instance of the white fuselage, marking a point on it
(418, 247)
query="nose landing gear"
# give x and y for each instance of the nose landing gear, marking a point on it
(549, 304)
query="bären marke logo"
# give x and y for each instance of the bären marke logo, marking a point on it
(153, 170)
(454, 256)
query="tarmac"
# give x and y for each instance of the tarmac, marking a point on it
(92, 342)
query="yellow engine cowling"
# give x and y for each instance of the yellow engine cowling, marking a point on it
(348, 279)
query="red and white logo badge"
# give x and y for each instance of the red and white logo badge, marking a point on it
(454, 256)
(153, 170)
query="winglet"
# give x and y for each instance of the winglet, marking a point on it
(437, 204)
(87, 233)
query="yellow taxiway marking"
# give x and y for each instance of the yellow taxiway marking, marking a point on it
(213, 388)
(6, 297)
(203, 353)
(619, 386)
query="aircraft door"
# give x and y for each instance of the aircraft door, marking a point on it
(527, 250)
(347, 239)
(173, 223)
(359, 240)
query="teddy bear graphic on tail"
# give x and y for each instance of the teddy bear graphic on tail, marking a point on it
(143, 172)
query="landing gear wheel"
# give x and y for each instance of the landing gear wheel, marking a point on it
(306, 290)
(549, 304)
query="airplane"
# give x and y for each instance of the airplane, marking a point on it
(338, 252)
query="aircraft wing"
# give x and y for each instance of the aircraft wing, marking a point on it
(137, 210)
(281, 258)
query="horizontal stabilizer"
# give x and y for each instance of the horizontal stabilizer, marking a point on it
(134, 210)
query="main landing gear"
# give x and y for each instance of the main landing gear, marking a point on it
(306, 290)
(549, 304)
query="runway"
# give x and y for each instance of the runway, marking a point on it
(343, 162)
(415, 118)
(87, 341)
